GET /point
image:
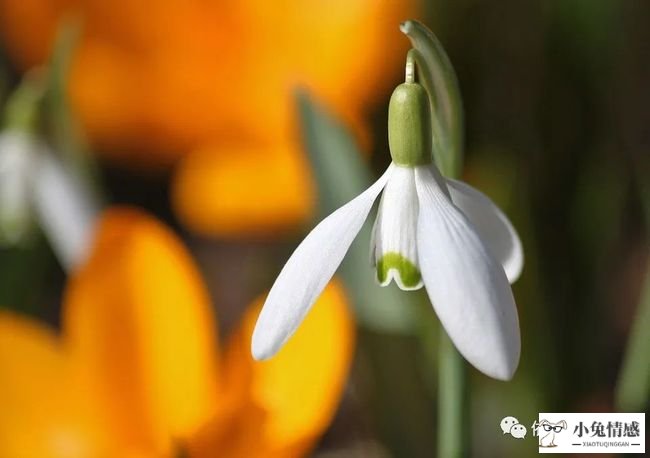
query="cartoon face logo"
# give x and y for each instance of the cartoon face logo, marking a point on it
(546, 432)
(518, 431)
(507, 423)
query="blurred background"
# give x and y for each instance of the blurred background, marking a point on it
(235, 125)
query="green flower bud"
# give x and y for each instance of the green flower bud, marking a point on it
(409, 125)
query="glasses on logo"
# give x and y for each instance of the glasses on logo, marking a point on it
(549, 428)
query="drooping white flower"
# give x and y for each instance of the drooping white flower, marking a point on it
(430, 231)
(66, 210)
(17, 158)
(35, 185)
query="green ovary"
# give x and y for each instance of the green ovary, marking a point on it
(408, 272)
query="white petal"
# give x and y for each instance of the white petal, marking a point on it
(395, 242)
(308, 270)
(66, 210)
(373, 238)
(17, 156)
(492, 225)
(467, 286)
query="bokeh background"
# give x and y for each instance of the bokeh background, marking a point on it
(203, 113)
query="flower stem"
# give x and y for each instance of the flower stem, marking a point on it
(409, 72)
(452, 397)
(435, 72)
(453, 393)
(453, 424)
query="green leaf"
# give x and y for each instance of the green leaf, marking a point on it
(437, 76)
(633, 387)
(341, 174)
(65, 133)
(22, 109)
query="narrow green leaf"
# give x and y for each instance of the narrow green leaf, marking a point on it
(65, 133)
(341, 175)
(21, 111)
(437, 76)
(633, 388)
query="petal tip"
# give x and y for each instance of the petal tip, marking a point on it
(261, 348)
(260, 353)
(513, 273)
(504, 373)
(499, 368)
(504, 367)
(405, 26)
(516, 265)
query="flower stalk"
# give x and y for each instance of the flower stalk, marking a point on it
(452, 400)
(437, 76)
(453, 393)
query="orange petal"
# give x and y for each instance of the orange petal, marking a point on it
(137, 318)
(243, 191)
(229, 70)
(287, 402)
(44, 412)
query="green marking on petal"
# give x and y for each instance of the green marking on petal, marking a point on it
(408, 272)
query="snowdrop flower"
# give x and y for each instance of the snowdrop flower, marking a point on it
(16, 163)
(36, 186)
(430, 231)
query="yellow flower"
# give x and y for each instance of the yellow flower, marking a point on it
(45, 412)
(157, 82)
(136, 370)
(258, 192)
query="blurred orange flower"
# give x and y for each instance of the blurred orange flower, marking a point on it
(156, 81)
(136, 371)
